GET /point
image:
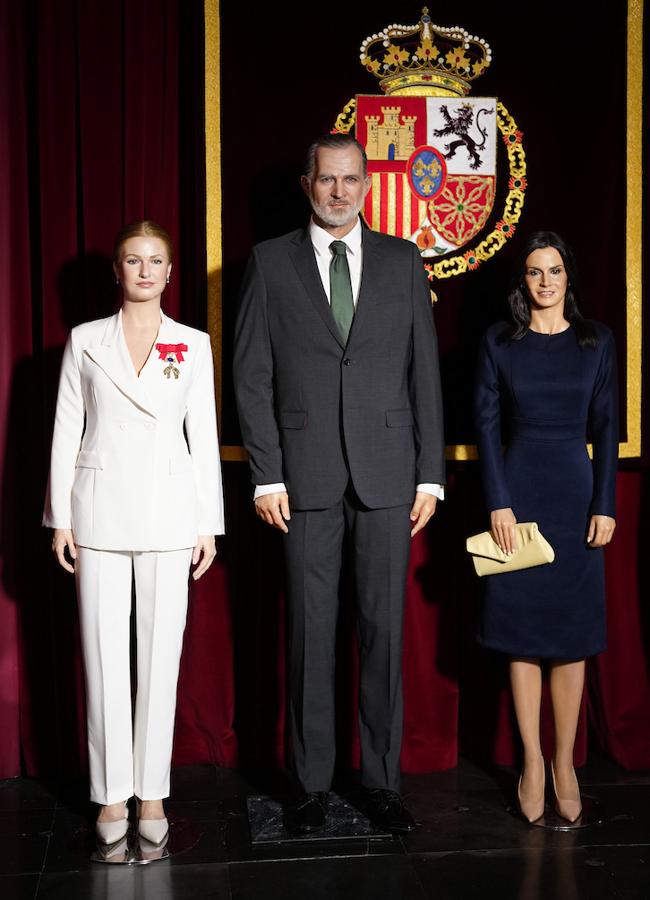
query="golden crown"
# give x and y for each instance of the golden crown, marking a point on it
(425, 58)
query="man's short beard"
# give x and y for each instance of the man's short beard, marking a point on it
(327, 214)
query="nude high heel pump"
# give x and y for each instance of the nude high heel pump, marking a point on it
(567, 808)
(155, 831)
(109, 834)
(532, 812)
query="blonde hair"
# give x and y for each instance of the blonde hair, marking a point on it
(142, 228)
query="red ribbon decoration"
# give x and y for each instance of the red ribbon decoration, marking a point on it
(177, 349)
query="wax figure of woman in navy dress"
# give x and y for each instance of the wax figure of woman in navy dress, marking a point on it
(134, 492)
(546, 384)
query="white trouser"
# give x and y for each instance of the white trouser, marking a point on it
(124, 760)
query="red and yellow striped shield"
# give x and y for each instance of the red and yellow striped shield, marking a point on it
(432, 161)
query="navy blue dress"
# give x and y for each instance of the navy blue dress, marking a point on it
(544, 396)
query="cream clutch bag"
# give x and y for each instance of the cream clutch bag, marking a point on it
(489, 558)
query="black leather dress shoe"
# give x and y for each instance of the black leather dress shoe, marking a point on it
(308, 813)
(386, 809)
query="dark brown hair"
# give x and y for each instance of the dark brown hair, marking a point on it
(519, 299)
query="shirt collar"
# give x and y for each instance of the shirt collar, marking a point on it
(322, 239)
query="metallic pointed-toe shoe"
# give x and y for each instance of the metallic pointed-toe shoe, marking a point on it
(109, 834)
(155, 831)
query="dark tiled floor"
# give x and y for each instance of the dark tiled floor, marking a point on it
(469, 845)
(156, 882)
(361, 878)
(571, 873)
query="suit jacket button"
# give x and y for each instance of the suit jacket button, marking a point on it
(348, 362)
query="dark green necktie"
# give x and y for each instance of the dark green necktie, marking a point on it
(341, 289)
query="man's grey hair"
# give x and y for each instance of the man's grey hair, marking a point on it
(333, 142)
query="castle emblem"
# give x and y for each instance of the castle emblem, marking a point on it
(391, 139)
(433, 151)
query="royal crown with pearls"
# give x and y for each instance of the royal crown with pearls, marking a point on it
(425, 58)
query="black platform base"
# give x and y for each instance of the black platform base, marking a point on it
(344, 822)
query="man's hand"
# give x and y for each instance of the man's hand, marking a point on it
(62, 538)
(601, 529)
(423, 508)
(274, 509)
(206, 547)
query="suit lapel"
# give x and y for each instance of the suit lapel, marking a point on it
(113, 358)
(304, 260)
(370, 286)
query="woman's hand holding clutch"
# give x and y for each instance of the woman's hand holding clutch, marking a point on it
(502, 525)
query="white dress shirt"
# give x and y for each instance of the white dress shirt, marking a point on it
(321, 240)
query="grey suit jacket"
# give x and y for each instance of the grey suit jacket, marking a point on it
(315, 413)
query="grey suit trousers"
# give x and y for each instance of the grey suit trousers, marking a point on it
(380, 544)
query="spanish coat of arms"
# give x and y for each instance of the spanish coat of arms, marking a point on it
(432, 150)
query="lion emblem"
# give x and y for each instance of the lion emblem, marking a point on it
(459, 125)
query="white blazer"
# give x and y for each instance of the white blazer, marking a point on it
(123, 476)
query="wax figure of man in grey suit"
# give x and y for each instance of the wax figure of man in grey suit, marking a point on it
(337, 383)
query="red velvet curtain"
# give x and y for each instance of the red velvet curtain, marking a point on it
(15, 341)
(102, 109)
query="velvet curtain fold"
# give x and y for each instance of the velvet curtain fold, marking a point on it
(15, 343)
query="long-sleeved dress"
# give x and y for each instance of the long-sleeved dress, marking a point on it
(550, 395)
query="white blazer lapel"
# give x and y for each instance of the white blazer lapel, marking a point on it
(113, 357)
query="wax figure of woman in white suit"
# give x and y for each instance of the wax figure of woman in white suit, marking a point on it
(134, 492)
